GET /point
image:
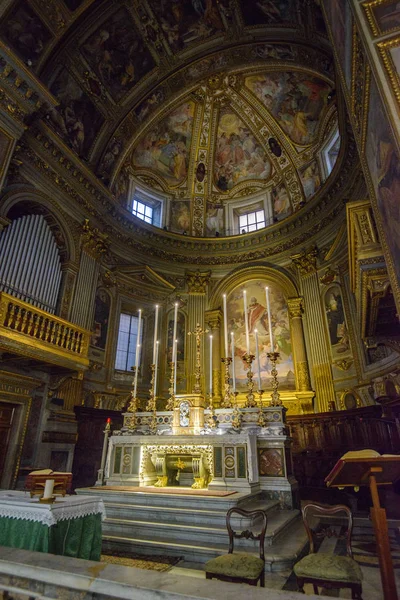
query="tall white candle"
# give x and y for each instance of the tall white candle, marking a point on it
(211, 353)
(155, 336)
(246, 322)
(137, 354)
(174, 334)
(257, 360)
(269, 319)
(176, 364)
(225, 326)
(48, 488)
(233, 362)
(156, 368)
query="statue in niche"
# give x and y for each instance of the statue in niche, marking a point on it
(101, 319)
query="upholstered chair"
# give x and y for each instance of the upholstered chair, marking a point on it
(241, 567)
(328, 570)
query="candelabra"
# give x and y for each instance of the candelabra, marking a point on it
(227, 400)
(261, 418)
(171, 400)
(237, 417)
(251, 401)
(212, 420)
(275, 396)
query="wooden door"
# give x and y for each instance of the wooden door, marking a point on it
(7, 412)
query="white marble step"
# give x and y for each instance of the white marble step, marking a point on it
(168, 514)
(171, 500)
(278, 522)
(280, 556)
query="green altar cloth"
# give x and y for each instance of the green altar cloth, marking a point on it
(70, 527)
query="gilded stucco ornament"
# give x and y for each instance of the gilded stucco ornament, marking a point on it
(94, 242)
(306, 261)
(197, 281)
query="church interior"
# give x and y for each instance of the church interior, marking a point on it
(199, 285)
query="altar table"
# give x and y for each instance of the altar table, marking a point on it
(71, 526)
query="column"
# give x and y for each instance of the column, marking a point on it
(93, 244)
(214, 320)
(197, 283)
(295, 306)
(321, 371)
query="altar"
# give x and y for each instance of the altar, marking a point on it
(217, 449)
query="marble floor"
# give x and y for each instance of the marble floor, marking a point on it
(364, 551)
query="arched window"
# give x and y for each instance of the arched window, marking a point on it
(30, 267)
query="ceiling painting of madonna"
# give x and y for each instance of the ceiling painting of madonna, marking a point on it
(224, 101)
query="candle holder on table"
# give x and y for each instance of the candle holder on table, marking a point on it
(261, 417)
(250, 397)
(237, 415)
(275, 396)
(151, 404)
(171, 400)
(227, 399)
(212, 420)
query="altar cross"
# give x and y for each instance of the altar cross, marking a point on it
(198, 332)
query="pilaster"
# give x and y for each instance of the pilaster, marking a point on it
(197, 284)
(214, 319)
(295, 306)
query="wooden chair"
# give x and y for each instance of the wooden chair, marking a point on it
(328, 570)
(241, 567)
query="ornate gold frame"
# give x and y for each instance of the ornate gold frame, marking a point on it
(394, 76)
(373, 23)
(344, 394)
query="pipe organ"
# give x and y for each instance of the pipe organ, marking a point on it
(30, 266)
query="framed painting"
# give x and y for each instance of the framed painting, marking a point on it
(390, 53)
(383, 16)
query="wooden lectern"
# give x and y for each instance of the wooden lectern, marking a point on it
(379, 470)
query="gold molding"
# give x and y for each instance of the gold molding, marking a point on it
(373, 23)
(384, 49)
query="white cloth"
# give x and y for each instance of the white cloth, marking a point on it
(19, 505)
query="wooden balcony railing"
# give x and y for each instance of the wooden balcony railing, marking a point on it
(32, 332)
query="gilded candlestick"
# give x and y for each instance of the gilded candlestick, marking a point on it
(251, 400)
(237, 417)
(171, 399)
(261, 418)
(227, 400)
(212, 420)
(275, 396)
(198, 332)
(151, 404)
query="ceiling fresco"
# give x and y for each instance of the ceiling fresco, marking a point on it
(198, 98)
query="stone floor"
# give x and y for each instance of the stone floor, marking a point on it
(364, 550)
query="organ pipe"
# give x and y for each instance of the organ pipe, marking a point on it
(30, 266)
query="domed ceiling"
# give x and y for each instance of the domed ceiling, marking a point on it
(208, 102)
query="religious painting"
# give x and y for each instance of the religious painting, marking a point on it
(271, 462)
(117, 53)
(238, 155)
(274, 51)
(390, 52)
(258, 319)
(337, 328)
(297, 101)
(280, 202)
(25, 33)
(149, 104)
(187, 21)
(165, 148)
(6, 147)
(180, 336)
(76, 119)
(384, 167)
(383, 17)
(206, 66)
(122, 185)
(270, 12)
(214, 219)
(339, 17)
(310, 178)
(180, 216)
(102, 305)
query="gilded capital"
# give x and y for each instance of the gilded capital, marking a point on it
(197, 281)
(93, 241)
(214, 318)
(306, 261)
(295, 307)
